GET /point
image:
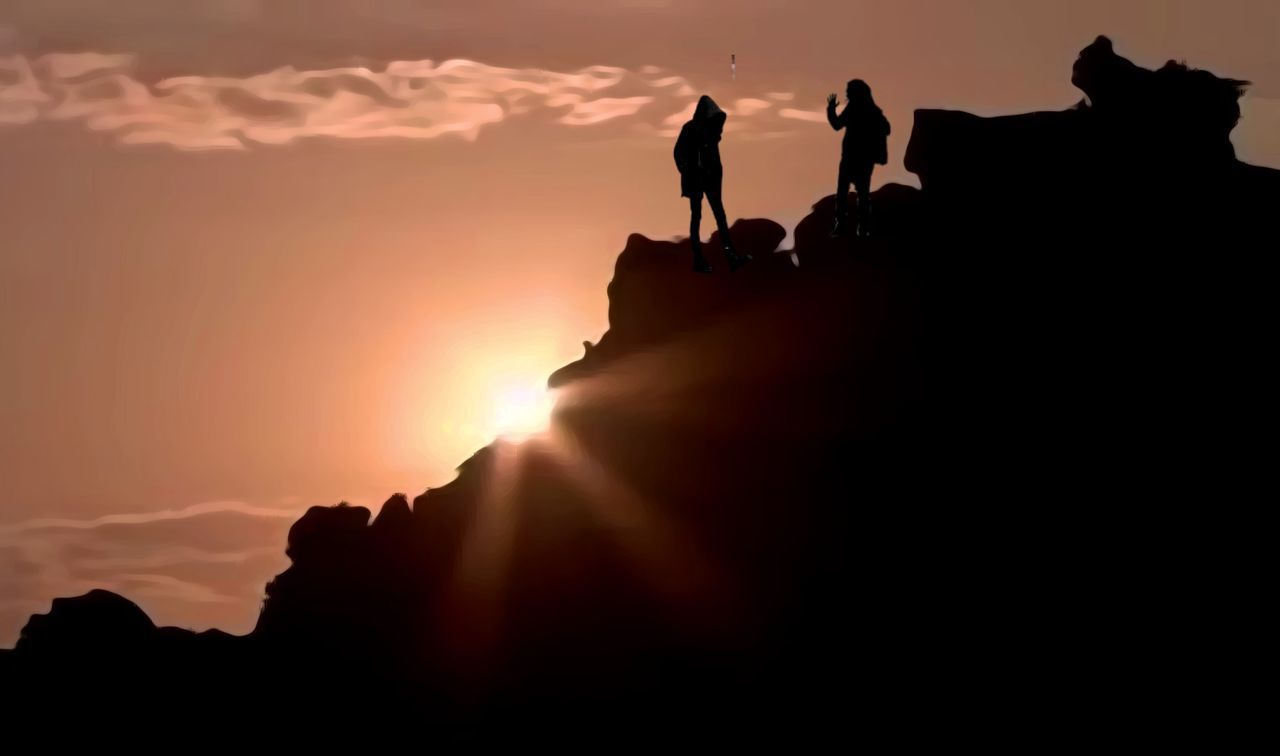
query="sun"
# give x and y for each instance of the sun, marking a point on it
(521, 410)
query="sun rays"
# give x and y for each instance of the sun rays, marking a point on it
(642, 536)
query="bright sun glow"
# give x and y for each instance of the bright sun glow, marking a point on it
(521, 410)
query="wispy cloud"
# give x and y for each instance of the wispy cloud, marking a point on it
(195, 510)
(198, 566)
(420, 99)
(812, 116)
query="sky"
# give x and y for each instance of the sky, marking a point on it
(262, 254)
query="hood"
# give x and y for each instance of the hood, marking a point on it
(708, 111)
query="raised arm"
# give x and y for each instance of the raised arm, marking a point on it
(832, 118)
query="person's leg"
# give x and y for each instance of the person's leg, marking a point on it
(862, 183)
(842, 192)
(717, 209)
(695, 219)
(722, 223)
(695, 233)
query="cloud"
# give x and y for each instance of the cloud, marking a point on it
(21, 96)
(750, 105)
(420, 99)
(813, 116)
(199, 566)
(604, 109)
(195, 510)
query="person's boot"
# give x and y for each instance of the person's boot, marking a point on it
(734, 259)
(700, 264)
(839, 228)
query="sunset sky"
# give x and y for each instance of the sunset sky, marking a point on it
(262, 254)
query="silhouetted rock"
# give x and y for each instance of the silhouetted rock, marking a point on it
(395, 516)
(1185, 113)
(99, 622)
(923, 484)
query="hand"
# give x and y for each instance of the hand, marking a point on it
(832, 101)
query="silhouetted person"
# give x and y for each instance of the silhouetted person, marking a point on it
(697, 155)
(865, 145)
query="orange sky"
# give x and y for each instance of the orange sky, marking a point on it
(244, 288)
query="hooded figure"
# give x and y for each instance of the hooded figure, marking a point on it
(697, 155)
(865, 145)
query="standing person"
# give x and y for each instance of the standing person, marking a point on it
(697, 155)
(866, 135)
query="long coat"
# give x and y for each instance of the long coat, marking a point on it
(697, 151)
